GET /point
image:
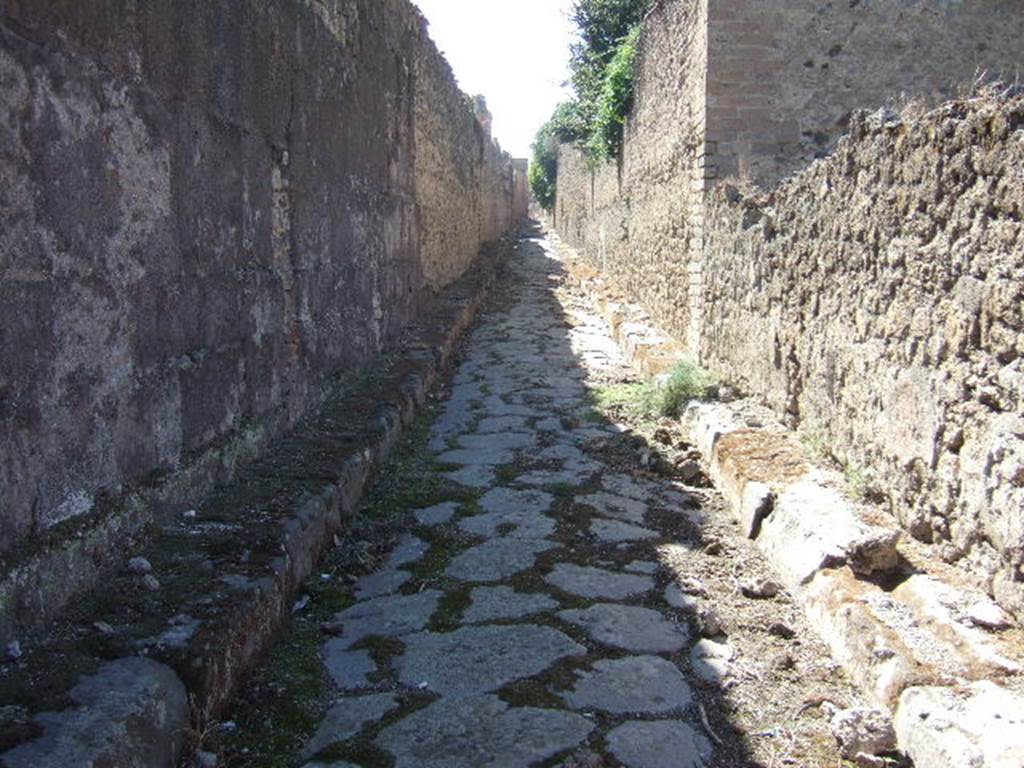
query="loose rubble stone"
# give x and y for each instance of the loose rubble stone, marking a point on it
(496, 560)
(140, 566)
(594, 582)
(485, 658)
(861, 730)
(386, 616)
(659, 744)
(675, 597)
(616, 531)
(647, 684)
(439, 514)
(151, 582)
(710, 622)
(496, 603)
(476, 731)
(760, 589)
(710, 660)
(348, 669)
(381, 583)
(133, 712)
(628, 627)
(347, 718)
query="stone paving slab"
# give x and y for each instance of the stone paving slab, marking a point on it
(631, 628)
(346, 718)
(497, 559)
(348, 669)
(659, 744)
(487, 657)
(617, 531)
(479, 731)
(586, 581)
(387, 616)
(636, 684)
(497, 603)
(439, 514)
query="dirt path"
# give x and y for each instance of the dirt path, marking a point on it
(546, 600)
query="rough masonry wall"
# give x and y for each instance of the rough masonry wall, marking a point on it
(783, 77)
(642, 220)
(878, 299)
(208, 208)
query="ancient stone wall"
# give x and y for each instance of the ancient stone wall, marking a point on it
(642, 219)
(208, 209)
(784, 77)
(877, 299)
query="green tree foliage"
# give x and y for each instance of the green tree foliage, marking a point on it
(602, 78)
(615, 102)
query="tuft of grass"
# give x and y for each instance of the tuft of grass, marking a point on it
(686, 382)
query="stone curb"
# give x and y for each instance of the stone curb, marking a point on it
(201, 660)
(907, 641)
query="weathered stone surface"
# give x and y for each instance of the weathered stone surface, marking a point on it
(520, 511)
(629, 627)
(439, 514)
(635, 684)
(347, 718)
(475, 731)
(496, 603)
(594, 582)
(659, 744)
(348, 669)
(381, 583)
(642, 566)
(498, 441)
(486, 657)
(615, 530)
(863, 731)
(981, 726)
(677, 598)
(496, 559)
(620, 507)
(409, 549)
(133, 712)
(710, 660)
(387, 616)
(481, 476)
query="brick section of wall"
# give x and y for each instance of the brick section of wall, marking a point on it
(209, 208)
(641, 222)
(784, 77)
(877, 299)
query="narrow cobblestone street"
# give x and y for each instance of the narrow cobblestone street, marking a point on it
(562, 607)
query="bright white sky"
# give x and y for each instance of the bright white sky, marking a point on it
(514, 52)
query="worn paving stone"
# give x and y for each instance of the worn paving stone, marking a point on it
(348, 669)
(629, 627)
(624, 485)
(617, 531)
(546, 478)
(480, 659)
(497, 559)
(380, 583)
(439, 514)
(481, 732)
(586, 581)
(409, 549)
(659, 744)
(481, 476)
(329, 765)
(502, 603)
(642, 566)
(511, 441)
(501, 424)
(520, 511)
(347, 718)
(619, 507)
(635, 684)
(477, 457)
(387, 616)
